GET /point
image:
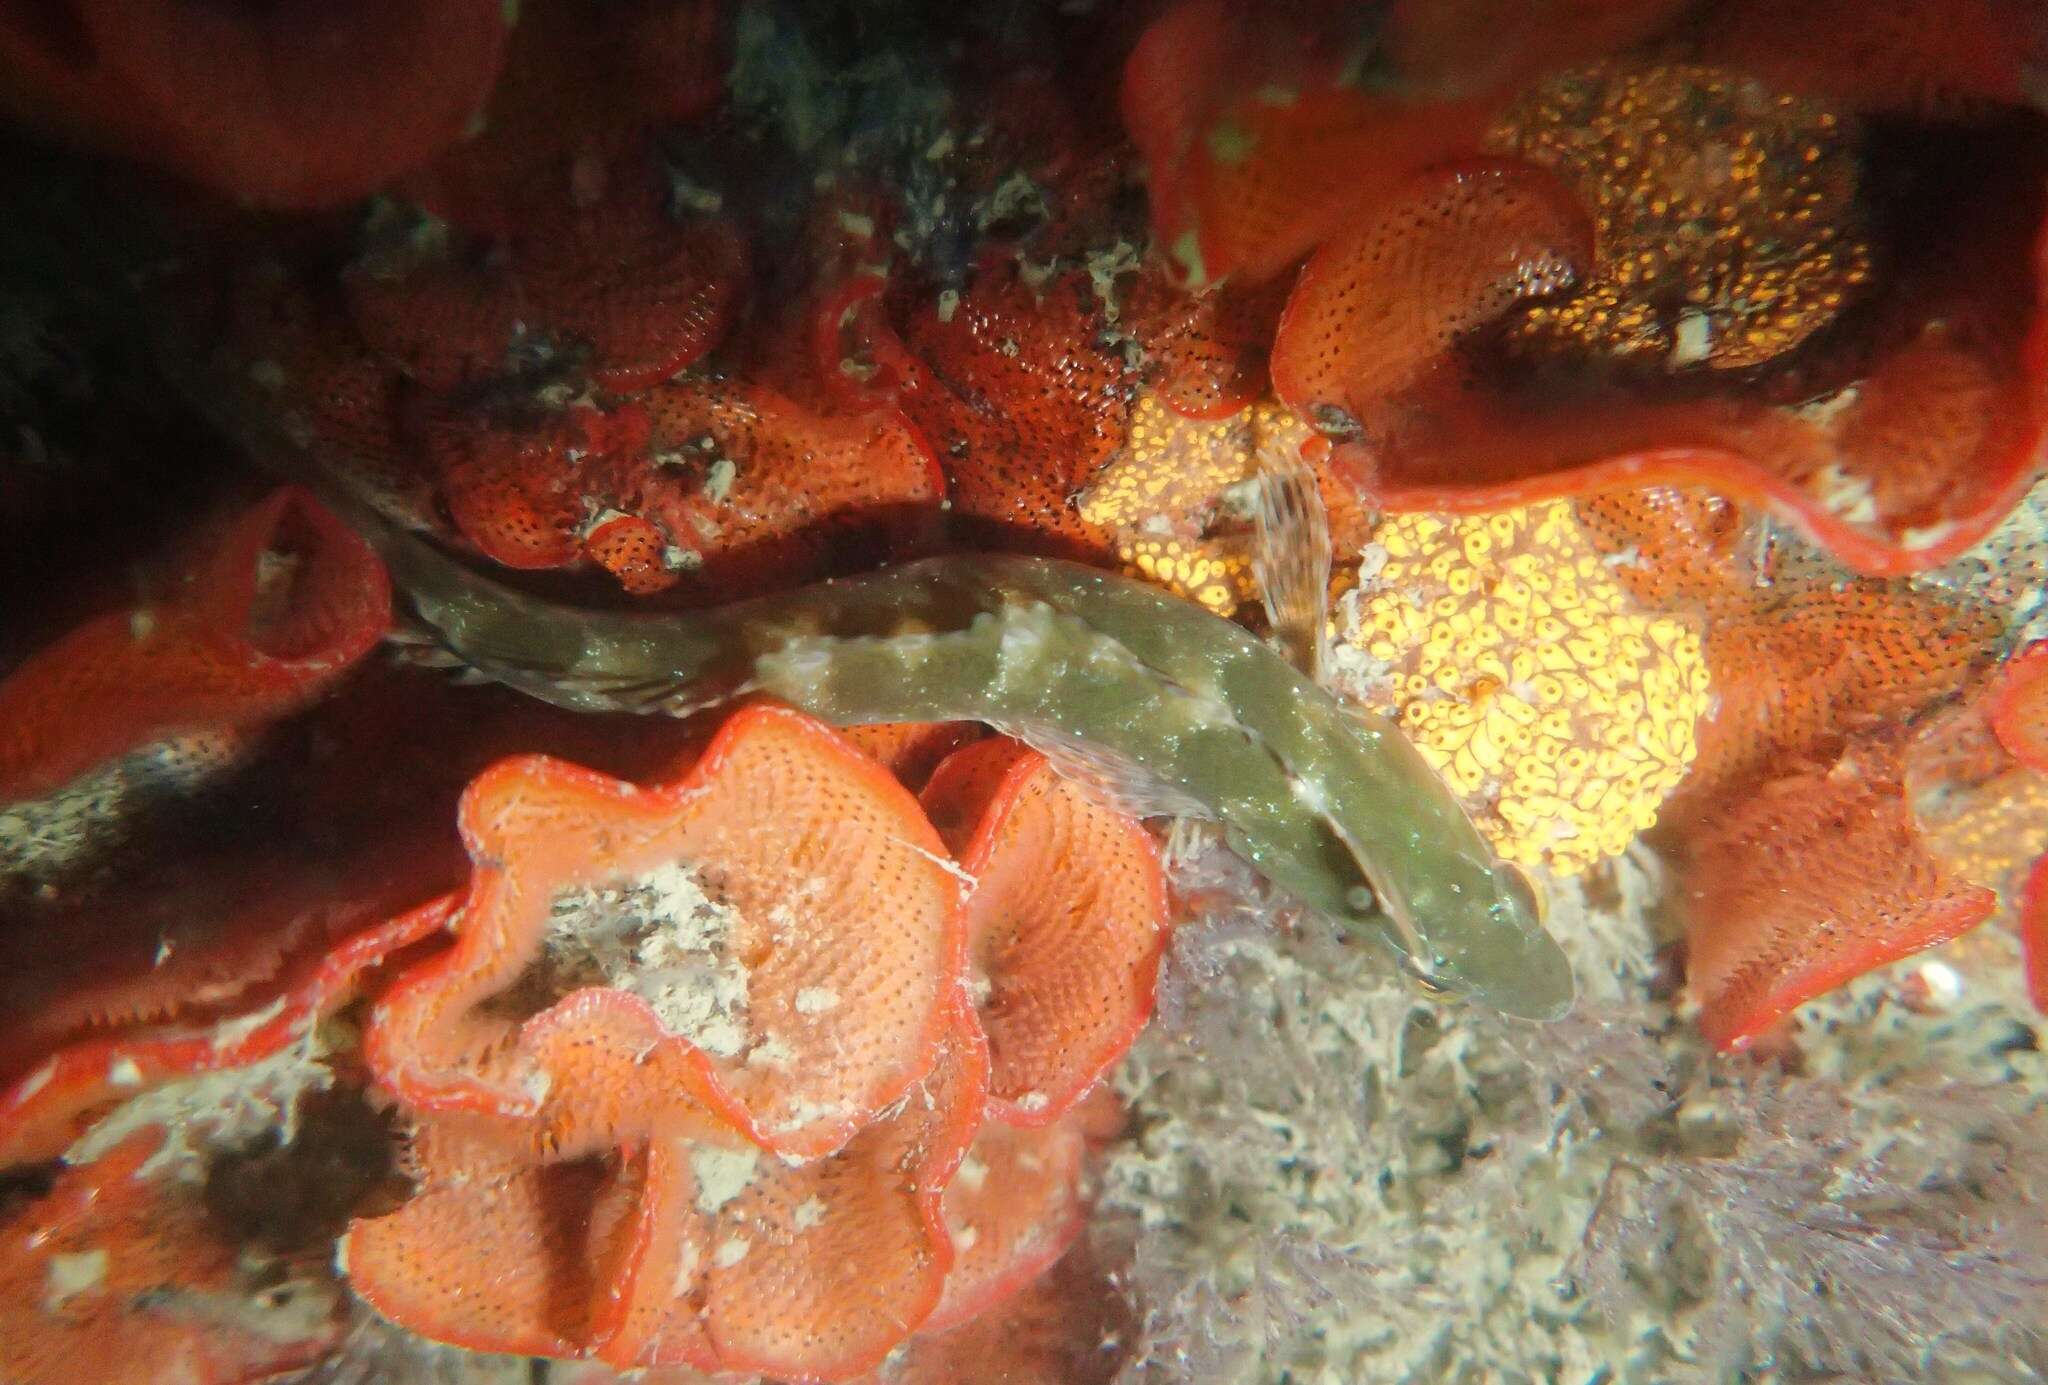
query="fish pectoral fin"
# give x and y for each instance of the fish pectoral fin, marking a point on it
(1116, 780)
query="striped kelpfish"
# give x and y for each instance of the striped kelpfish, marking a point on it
(1169, 708)
(1183, 711)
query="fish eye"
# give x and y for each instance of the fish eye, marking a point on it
(1425, 980)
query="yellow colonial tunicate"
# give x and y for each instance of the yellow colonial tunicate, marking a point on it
(1988, 832)
(1725, 215)
(1510, 655)
(1168, 497)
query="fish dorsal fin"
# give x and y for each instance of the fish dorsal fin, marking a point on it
(1291, 555)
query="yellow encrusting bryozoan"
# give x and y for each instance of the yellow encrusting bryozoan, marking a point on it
(1167, 497)
(1511, 656)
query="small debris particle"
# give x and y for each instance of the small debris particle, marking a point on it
(816, 1000)
(71, 1275)
(1692, 341)
(718, 480)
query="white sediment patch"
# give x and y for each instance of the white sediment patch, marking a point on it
(770, 1052)
(1845, 495)
(689, 1264)
(68, 1276)
(722, 1174)
(661, 937)
(801, 1112)
(48, 837)
(213, 1111)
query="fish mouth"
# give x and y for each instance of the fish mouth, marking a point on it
(1518, 968)
(1507, 960)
